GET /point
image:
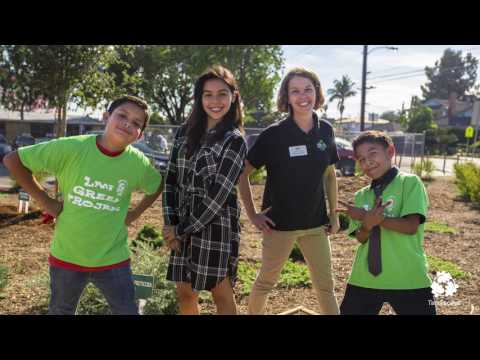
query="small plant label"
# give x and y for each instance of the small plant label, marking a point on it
(23, 201)
(143, 289)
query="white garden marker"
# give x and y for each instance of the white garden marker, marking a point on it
(23, 202)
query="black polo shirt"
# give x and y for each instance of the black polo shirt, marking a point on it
(295, 162)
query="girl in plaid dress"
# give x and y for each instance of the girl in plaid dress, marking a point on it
(200, 206)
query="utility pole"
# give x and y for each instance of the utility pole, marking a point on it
(364, 90)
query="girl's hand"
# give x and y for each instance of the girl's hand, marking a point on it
(261, 221)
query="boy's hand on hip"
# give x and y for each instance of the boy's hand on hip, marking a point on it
(131, 217)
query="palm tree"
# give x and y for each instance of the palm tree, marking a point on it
(342, 89)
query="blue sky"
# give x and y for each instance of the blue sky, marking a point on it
(396, 75)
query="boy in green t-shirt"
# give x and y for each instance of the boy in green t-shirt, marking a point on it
(388, 220)
(97, 175)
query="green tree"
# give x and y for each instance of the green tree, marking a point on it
(392, 116)
(342, 89)
(451, 74)
(169, 73)
(17, 77)
(74, 73)
(420, 119)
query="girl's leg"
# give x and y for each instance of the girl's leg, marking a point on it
(315, 247)
(224, 298)
(276, 248)
(187, 298)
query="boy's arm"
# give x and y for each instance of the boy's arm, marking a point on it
(405, 225)
(331, 187)
(27, 181)
(146, 202)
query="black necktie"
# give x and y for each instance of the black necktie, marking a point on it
(374, 243)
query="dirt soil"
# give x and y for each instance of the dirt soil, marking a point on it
(24, 248)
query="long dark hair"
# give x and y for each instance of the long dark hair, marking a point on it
(197, 121)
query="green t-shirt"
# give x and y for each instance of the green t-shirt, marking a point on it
(404, 263)
(90, 231)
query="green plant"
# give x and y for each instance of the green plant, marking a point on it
(149, 235)
(344, 221)
(439, 228)
(258, 176)
(467, 179)
(296, 254)
(144, 261)
(436, 264)
(3, 277)
(292, 275)
(423, 167)
(358, 169)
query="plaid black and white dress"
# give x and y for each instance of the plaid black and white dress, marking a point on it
(200, 198)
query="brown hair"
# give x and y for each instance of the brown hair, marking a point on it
(282, 99)
(134, 100)
(373, 137)
(197, 121)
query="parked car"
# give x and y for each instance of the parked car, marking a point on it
(3, 140)
(346, 164)
(4, 150)
(23, 140)
(43, 139)
(159, 160)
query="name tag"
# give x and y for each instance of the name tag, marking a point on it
(298, 150)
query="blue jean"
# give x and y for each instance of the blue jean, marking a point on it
(116, 285)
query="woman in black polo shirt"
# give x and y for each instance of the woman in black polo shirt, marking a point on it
(299, 154)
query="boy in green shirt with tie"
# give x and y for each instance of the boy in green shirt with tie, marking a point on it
(388, 220)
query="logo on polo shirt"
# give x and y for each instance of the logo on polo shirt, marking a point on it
(321, 145)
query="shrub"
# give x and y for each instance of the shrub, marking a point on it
(467, 179)
(3, 277)
(149, 235)
(423, 169)
(144, 261)
(344, 221)
(296, 254)
(439, 228)
(258, 176)
(436, 264)
(292, 275)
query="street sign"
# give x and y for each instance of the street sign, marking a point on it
(469, 132)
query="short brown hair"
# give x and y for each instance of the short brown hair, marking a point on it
(134, 100)
(282, 99)
(372, 137)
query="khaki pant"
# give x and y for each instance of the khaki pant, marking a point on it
(315, 247)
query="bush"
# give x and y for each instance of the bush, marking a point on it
(358, 169)
(149, 235)
(436, 264)
(258, 176)
(292, 275)
(144, 261)
(423, 169)
(3, 277)
(344, 221)
(467, 179)
(296, 254)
